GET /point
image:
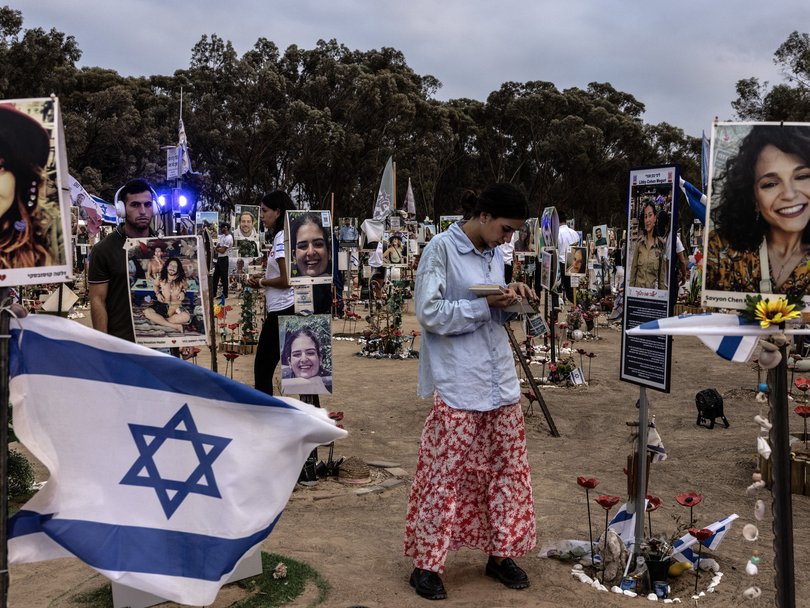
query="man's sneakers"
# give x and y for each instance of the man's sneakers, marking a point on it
(428, 584)
(507, 572)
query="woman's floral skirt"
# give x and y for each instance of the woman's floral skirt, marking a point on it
(472, 486)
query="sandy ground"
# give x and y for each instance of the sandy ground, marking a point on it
(355, 541)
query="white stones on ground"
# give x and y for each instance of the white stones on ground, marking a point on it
(616, 589)
(752, 593)
(629, 593)
(652, 597)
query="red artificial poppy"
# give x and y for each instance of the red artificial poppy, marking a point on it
(230, 355)
(396, 333)
(802, 384)
(591, 355)
(530, 396)
(802, 410)
(702, 535)
(689, 499)
(233, 325)
(607, 502)
(589, 483)
(653, 502)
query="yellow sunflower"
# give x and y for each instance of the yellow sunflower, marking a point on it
(773, 313)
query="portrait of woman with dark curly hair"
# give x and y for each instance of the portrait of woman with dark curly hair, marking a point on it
(759, 240)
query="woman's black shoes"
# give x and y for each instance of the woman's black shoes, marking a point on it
(507, 572)
(428, 584)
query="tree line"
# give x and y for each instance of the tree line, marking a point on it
(322, 121)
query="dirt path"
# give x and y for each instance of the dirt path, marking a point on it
(355, 541)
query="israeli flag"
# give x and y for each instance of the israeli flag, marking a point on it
(728, 335)
(683, 549)
(697, 200)
(624, 524)
(163, 474)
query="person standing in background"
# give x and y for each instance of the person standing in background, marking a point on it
(566, 237)
(223, 248)
(278, 294)
(508, 251)
(108, 275)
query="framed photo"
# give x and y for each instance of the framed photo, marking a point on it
(395, 250)
(445, 221)
(35, 214)
(167, 286)
(426, 232)
(348, 233)
(527, 237)
(550, 226)
(212, 217)
(600, 235)
(756, 236)
(245, 228)
(649, 295)
(576, 263)
(308, 241)
(306, 354)
(548, 267)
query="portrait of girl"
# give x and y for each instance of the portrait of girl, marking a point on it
(31, 232)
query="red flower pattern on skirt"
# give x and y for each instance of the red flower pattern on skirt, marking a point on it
(472, 486)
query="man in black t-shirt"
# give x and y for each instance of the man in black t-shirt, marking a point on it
(108, 275)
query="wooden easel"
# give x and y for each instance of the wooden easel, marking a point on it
(530, 377)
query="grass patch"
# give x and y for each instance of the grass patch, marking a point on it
(263, 591)
(100, 597)
(266, 591)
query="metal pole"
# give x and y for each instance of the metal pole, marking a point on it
(5, 317)
(784, 580)
(641, 467)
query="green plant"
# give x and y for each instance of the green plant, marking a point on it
(247, 318)
(20, 474)
(694, 292)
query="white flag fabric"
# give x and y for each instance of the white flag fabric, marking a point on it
(654, 444)
(624, 524)
(385, 195)
(182, 150)
(163, 474)
(682, 549)
(728, 335)
(410, 204)
(80, 197)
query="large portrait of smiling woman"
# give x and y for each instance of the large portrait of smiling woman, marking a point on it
(757, 238)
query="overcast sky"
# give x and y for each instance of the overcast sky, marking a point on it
(682, 59)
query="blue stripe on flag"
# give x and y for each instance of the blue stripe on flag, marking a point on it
(71, 359)
(136, 549)
(728, 347)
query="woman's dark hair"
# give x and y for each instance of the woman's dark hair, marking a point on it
(735, 216)
(23, 242)
(164, 272)
(661, 224)
(290, 338)
(278, 200)
(308, 218)
(499, 200)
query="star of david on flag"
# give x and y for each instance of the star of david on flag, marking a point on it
(171, 492)
(164, 475)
